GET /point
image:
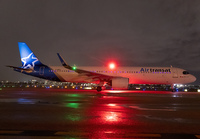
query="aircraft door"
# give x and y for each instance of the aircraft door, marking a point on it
(174, 73)
(41, 71)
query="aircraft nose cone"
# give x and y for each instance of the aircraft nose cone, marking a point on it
(193, 78)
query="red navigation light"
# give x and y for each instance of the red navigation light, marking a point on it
(112, 65)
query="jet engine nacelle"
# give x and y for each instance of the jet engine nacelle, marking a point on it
(120, 83)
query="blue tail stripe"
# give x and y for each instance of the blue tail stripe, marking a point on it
(28, 58)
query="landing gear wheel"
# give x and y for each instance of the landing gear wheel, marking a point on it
(172, 88)
(99, 88)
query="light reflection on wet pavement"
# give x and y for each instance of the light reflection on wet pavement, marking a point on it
(100, 115)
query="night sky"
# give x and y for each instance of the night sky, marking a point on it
(93, 32)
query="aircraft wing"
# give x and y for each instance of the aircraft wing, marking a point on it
(92, 75)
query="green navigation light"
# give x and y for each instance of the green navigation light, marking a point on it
(74, 68)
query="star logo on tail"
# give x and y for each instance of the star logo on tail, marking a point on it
(29, 61)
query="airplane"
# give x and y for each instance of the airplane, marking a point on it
(116, 77)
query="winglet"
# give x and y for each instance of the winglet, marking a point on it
(63, 62)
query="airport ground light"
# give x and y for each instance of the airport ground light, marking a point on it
(90, 86)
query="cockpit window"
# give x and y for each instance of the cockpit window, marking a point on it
(186, 72)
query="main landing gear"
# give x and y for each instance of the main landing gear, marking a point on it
(172, 88)
(99, 88)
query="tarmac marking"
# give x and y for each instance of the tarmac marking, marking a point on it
(144, 135)
(198, 136)
(10, 132)
(139, 108)
(62, 133)
(31, 137)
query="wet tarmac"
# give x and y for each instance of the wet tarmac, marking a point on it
(75, 114)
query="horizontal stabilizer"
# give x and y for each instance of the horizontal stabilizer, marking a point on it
(18, 68)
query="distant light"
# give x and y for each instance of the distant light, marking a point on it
(112, 65)
(185, 90)
(115, 91)
(198, 90)
(179, 85)
(87, 87)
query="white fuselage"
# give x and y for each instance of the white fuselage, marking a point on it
(136, 75)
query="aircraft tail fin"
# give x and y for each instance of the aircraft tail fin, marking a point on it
(28, 58)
